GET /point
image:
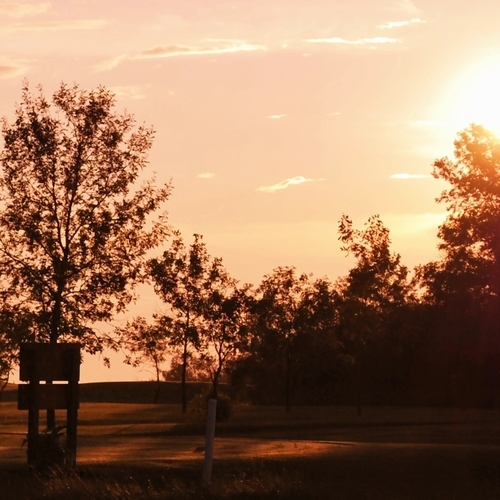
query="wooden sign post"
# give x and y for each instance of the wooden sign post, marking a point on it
(49, 363)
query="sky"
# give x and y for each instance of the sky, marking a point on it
(273, 118)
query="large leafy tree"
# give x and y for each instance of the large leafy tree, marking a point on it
(372, 294)
(74, 224)
(470, 235)
(180, 278)
(463, 287)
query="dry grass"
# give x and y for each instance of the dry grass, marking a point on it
(395, 453)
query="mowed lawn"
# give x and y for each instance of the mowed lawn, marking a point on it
(153, 451)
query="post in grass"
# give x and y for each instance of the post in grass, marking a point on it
(209, 442)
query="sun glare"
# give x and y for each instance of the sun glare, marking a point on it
(476, 98)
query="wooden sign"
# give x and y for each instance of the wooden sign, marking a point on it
(55, 362)
(50, 396)
(49, 363)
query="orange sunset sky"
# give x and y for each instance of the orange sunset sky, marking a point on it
(274, 117)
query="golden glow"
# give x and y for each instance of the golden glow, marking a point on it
(476, 95)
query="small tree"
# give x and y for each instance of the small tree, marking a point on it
(225, 325)
(74, 227)
(147, 344)
(179, 277)
(278, 319)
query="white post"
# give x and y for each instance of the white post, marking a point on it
(209, 442)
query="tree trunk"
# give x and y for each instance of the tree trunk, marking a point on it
(358, 391)
(215, 382)
(55, 322)
(287, 378)
(183, 378)
(158, 384)
(4, 385)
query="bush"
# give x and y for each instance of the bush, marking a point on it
(199, 404)
(52, 450)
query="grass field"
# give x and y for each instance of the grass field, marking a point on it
(144, 451)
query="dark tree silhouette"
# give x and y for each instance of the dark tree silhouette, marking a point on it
(225, 321)
(278, 320)
(180, 278)
(463, 287)
(372, 292)
(74, 225)
(147, 344)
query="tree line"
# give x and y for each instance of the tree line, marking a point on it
(77, 233)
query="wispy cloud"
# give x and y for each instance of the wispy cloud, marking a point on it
(399, 24)
(277, 117)
(10, 68)
(129, 92)
(361, 41)
(220, 47)
(286, 183)
(16, 9)
(409, 176)
(206, 175)
(110, 64)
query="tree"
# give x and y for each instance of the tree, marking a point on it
(470, 235)
(147, 344)
(74, 225)
(463, 287)
(278, 320)
(225, 321)
(319, 354)
(179, 278)
(198, 369)
(373, 292)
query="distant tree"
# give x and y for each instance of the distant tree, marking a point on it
(225, 321)
(371, 294)
(278, 322)
(74, 225)
(198, 369)
(319, 352)
(180, 279)
(147, 344)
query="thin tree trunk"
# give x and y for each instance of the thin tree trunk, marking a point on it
(358, 391)
(183, 378)
(287, 380)
(4, 385)
(158, 385)
(55, 322)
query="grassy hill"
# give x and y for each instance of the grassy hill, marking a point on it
(125, 392)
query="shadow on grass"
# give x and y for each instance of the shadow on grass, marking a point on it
(374, 472)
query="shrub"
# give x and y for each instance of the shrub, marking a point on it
(199, 404)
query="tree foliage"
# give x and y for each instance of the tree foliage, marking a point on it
(278, 320)
(462, 288)
(146, 344)
(470, 235)
(372, 294)
(225, 321)
(74, 224)
(180, 278)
